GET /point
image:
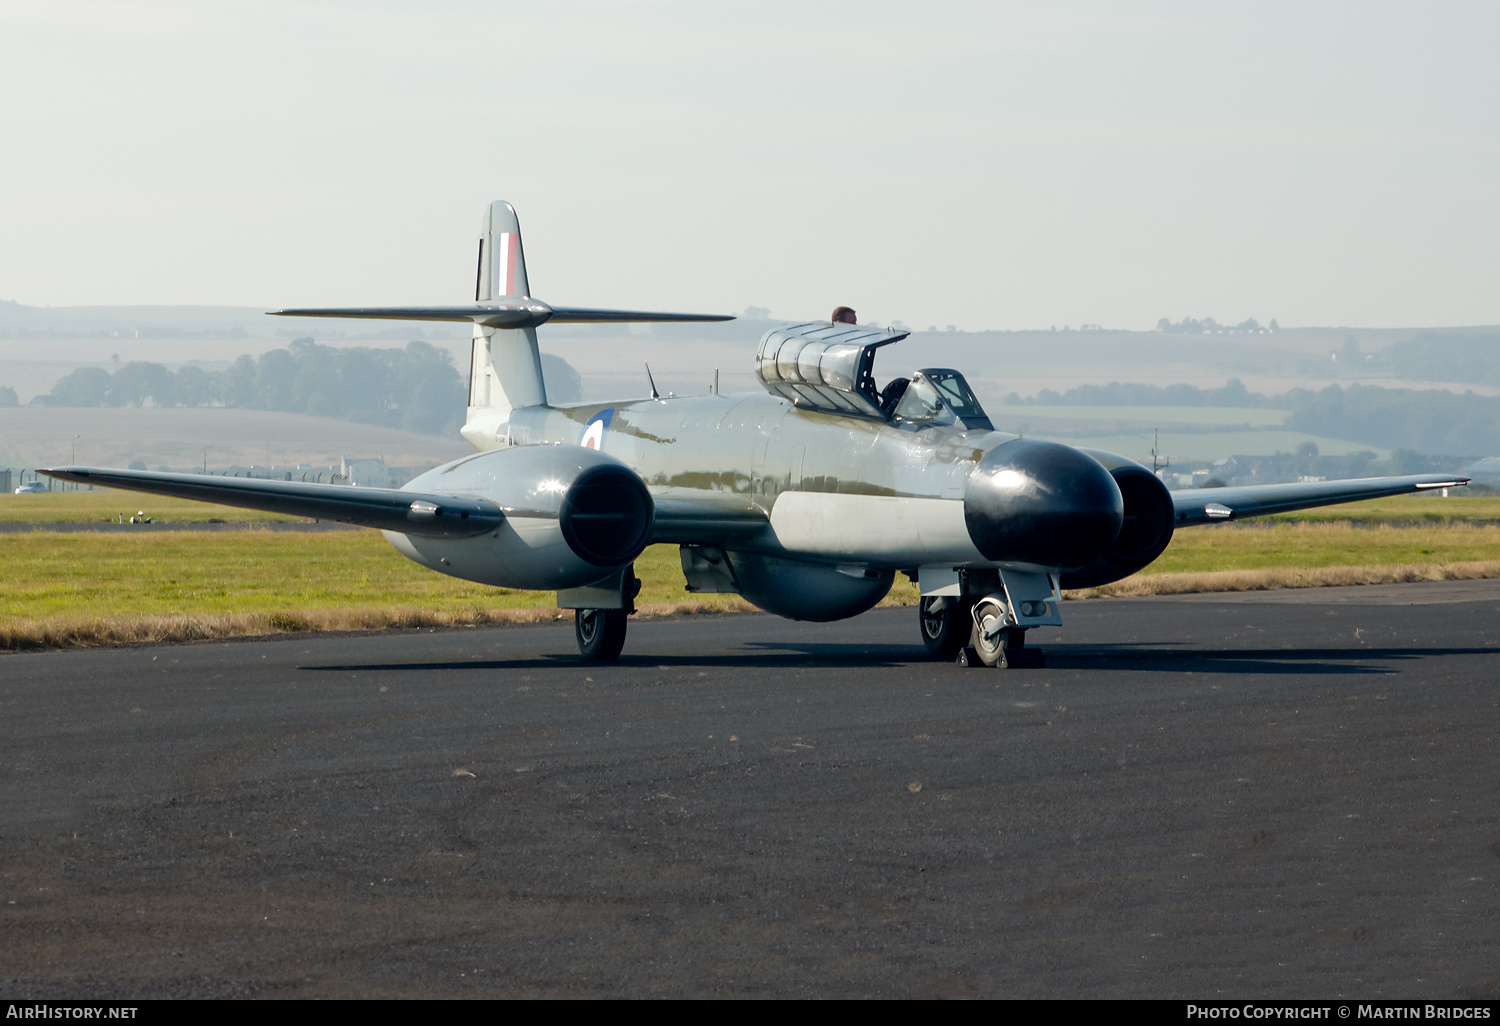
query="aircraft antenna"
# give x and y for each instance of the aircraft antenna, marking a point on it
(654, 393)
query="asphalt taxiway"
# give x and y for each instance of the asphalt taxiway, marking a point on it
(1284, 794)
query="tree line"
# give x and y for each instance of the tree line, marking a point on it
(415, 388)
(1193, 326)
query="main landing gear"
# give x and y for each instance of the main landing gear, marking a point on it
(975, 632)
(946, 625)
(601, 631)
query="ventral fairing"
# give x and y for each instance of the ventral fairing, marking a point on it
(806, 498)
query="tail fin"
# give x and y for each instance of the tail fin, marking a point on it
(502, 263)
(506, 372)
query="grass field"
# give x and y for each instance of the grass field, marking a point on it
(1162, 416)
(96, 574)
(1401, 511)
(93, 587)
(1180, 432)
(1179, 443)
(105, 505)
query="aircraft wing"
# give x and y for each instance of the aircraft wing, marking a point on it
(389, 509)
(694, 518)
(1212, 505)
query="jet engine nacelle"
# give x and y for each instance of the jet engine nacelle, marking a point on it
(1145, 533)
(572, 516)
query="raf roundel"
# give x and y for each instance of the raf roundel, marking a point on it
(593, 431)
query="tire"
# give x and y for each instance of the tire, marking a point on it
(600, 633)
(945, 624)
(1009, 642)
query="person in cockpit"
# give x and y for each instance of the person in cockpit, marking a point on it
(892, 393)
(843, 315)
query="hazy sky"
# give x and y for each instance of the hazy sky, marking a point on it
(990, 165)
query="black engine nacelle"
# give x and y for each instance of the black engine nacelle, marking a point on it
(1147, 530)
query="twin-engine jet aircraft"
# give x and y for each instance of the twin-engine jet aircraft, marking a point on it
(806, 498)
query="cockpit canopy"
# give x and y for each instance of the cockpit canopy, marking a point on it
(938, 397)
(824, 366)
(831, 368)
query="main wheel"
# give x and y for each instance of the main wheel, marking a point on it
(600, 632)
(946, 626)
(995, 647)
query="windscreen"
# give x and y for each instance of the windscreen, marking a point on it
(939, 397)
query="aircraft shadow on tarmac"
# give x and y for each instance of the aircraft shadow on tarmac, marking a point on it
(1155, 658)
(779, 655)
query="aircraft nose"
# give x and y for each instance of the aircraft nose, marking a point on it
(1042, 503)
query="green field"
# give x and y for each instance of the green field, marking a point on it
(1161, 416)
(1196, 433)
(90, 573)
(1251, 546)
(107, 505)
(1402, 511)
(1180, 444)
(97, 574)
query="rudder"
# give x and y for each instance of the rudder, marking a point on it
(506, 372)
(502, 261)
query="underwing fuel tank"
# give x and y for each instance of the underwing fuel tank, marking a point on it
(808, 591)
(572, 516)
(1042, 504)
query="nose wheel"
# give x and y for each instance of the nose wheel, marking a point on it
(995, 641)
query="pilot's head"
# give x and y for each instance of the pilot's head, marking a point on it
(844, 315)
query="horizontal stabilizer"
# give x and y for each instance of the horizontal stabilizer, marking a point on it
(1211, 505)
(387, 509)
(529, 313)
(584, 315)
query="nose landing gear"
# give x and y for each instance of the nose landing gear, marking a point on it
(997, 641)
(976, 632)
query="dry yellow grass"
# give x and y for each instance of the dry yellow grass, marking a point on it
(68, 631)
(1291, 577)
(65, 631)
(267, 584)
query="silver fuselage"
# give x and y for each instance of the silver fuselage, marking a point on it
(836, 488)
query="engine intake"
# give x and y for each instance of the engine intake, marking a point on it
(606, 515)
(1143, 536)
(571, 517)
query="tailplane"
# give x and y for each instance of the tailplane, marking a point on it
(506, 369)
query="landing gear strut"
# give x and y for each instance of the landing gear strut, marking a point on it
(978, 627)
